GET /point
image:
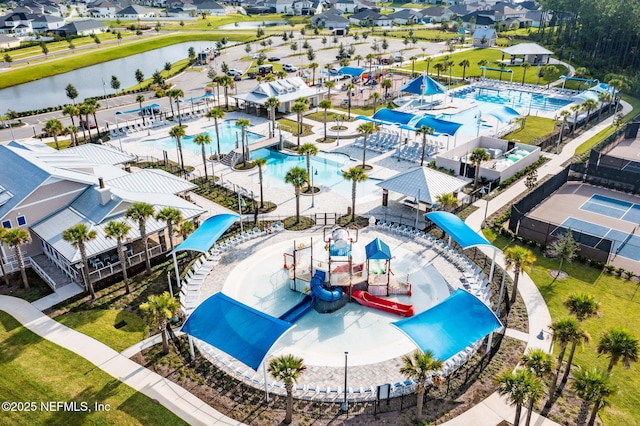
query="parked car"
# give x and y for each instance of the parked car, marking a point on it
(343, 56)
(234, 72)
(83, 124)
(255, 55)
(289, 68)
(273, 59)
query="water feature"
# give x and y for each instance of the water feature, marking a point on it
(94, 80)
(251, 25)
(517, 99)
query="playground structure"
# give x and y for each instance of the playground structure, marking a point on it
(339, 271)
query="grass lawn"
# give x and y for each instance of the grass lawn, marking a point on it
(100, 324)
(534, 127)
(38, 370)
(490, 55)
(619, 307)
(292, 126)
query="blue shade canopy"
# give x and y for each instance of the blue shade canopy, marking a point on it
(438, 125)
(504, 113)
(377, 249)
(208, 233)
(352, 71)
(236, 329)
(450, 326)
(393, 117)
(195, 98)
(423, 85)
(458, 230)
(146, 108)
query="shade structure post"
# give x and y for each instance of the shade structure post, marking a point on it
(169, 281)
(175, 267)
(493, 264)
(191, 351)
(266, 386)
(504, 276)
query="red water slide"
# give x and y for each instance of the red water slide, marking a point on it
(366, 299)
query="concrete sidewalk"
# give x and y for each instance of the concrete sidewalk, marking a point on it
(173, 397)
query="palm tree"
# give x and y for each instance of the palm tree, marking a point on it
(518, 386)
(299, 108)
(576, 108)
(216, 114)
(564, 114)
(174, 95)
(604, 98)
(227, 83)
(260, 162)
(313, 66)
(349, 87)
(525, 66)
(329, 85)
(477, 157)
(297, 176)
(287, 369)
(140, 100)
(578, 336)
(428, 59)
(203, 139)
(582, 305)
(271, 104)
(541, 364)
(520, 259)
(185, 228)
(140, 212)
(72, 111)
(94, 106)
(619, 344)
(78, 235)
(5, 274)
(563, 332)
(177, 132)
(413, 60)
(549, 71)
(308, 149)
(243, 123)
(355, 175)
(374, 96)
(119, 231)
(159, 310)
(365, 129)
(84, 110)
(172, 216)
(592, 386)
(73, 132)
(464, 64)
(54, 127)
(447, 201)
(358, 58)
(439, 67)
(424, 131)
(16, 237)
(325, 104)
(386, 84)
(418, 366)
(589, 105)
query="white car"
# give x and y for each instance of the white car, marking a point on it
(255, 55)
(234, 72)
(289, 68)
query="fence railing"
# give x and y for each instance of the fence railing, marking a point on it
(45, 277)
(135, 259)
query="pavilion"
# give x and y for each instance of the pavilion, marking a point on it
(527, 52)
(286, 90)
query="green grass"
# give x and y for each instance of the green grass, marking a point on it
(586, 146)
(34, 369)
(619, 307)
(100, 324)
(535, 127)
(490, 55)
(292, 127)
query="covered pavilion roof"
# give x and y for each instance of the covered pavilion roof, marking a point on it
(423, 183)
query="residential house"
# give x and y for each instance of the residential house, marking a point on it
(307, 7)
(365, 18)
(406, 16)
(82, 28)
(346, 6)
(8, 42)
(279, 6)
(104, 8)
(330, 19)
(437, 14)
(286, 90)
(536, 17)
(17, 24)
(210, 8)
(484, 37)
(477, 20)
(85, 184)
(135, 11)
(45, 23)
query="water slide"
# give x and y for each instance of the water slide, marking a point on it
(298, 310)
(366, 299)
(320, 292)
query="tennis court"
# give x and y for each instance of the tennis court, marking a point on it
(590, 234)
(613, 207)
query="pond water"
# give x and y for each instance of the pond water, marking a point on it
(94, 80)
(249, 25)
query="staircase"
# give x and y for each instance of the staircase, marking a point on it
(49, 272)
(231, 159)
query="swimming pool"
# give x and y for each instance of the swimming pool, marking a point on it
(516, 99)
(229, 133)
(326, 171)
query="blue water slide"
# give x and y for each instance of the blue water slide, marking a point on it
(298, 310)
(320, 292)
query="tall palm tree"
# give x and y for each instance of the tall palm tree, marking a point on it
(84, 110)
(582, 305)
(16, 237)
(297, 176)
(525, 66)
(593, 387)
(216, 114)
(477, 157)
(260, 163)
(563, 332)
(299, 108)
(424, 131)
(203, 139)
(329, 85)
(386, 84)
(159, 309)
(439, 67)
(541, 364)
(604, 98)
(355, 175)
(325, 104)
(185, 228)
(119, 231)
(358, 58)
(564, 114)
(579, 336)
(73, 132)
(140, 212)
(549, 71)
(54, 127)
(464, 64)
(618, 344)
(174, 96)
(447, 201)
(520, 259)
(313, 66)
(427, 60)
(5, 274)
(589, 105)
(575, 108)
(271, 104)
(227, 83)
(78, 236)
(375, 96)
(413, 60)
(243, 123)
(140, 100)
(94, 106)
(171, 216)
(517, 386)
(308, 149)
(418, 366)
(177, 132)
(365, 129)
(287, 369)
(72, 111)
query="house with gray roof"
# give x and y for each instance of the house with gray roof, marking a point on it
(44, 23)
(437, 14)
(209, 7)
(346, 6)
(279, 6)
(8, 42)
(85, 184)
(286, 90)
(330, 19)
(484, 37)
(135, 11)
(82, 28)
